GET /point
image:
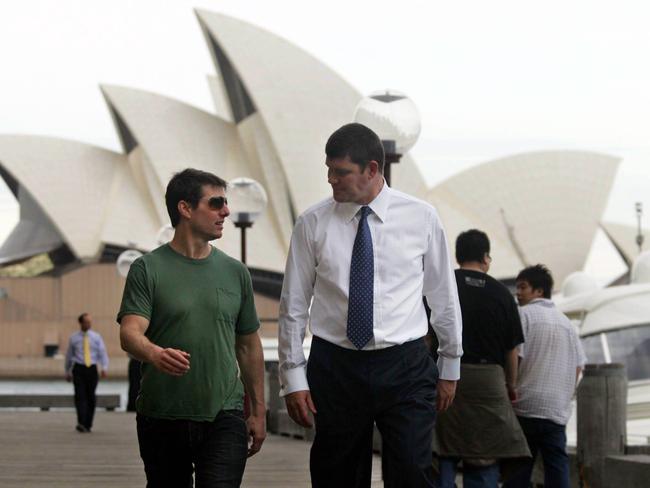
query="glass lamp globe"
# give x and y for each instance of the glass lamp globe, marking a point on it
(246, 200)
(165, 234)
(392, 115)
(125, 260)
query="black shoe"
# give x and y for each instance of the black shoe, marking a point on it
(81, 428)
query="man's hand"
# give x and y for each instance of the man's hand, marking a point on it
(103, 374)
(446, 394)
(299, 404)
(512, 393)
(256, 425)
(68, 377)
(171, 361)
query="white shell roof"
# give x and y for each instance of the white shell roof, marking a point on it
(624, 238)
(552, 200)
(173, 136)
(273, 71)
(68, 182)
(301, 100)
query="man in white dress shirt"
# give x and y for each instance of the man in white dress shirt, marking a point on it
(358, 266)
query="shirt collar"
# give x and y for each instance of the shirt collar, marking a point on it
(379, 205)
(545, 302)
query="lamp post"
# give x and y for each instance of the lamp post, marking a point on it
(639, 235)
(246, 200)
(395, 119)
(125, 260)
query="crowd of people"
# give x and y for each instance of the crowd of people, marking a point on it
(470, 380)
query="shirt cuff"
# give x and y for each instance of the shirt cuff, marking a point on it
(449, 368)
(294, 379)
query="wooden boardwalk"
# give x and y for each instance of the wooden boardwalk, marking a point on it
(40, 449)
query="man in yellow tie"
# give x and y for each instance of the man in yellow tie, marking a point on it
(86, 350)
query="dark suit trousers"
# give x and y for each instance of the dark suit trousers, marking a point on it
(352, 390)
(85, 382)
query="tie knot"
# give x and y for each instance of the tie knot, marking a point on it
(365, 210)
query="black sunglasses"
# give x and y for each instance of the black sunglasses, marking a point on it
(217, 203)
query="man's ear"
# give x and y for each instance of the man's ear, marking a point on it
(538, 292)
(184, 209)
(373, 168)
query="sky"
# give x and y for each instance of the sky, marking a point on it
(490, 78)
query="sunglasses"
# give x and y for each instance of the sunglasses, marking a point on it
(217, 203)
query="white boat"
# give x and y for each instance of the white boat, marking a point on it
(614, 325)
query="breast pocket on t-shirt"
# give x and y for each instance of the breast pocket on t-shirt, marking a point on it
(228, 303)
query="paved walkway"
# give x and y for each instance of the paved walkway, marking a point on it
(40, 449)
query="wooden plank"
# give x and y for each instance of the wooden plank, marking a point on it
(43, 449)
(45, 402)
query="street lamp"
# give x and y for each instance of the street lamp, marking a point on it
(165, 234)
(638, 206)
(395, 119)
(246, 200)
(125, 260)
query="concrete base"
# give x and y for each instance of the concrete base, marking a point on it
(33, 368)
(630, 470)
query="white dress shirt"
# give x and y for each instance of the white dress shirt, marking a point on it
(411, 260)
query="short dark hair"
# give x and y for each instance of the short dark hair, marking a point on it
(357, 142)
(80, 319)
(472, 245)
(188, 186)
(539, 278)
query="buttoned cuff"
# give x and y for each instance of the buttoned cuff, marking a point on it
(294, 379)
(449, 368)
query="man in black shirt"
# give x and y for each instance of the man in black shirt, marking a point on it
(480, 428)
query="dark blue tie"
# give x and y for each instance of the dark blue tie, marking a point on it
(362, 275)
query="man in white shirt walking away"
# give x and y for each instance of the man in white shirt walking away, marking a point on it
(551, 359)
(366, 257)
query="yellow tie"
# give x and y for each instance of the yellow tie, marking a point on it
(87, 351)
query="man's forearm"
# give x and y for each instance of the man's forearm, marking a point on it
(138, 345)
(512, 364)
(251, 363)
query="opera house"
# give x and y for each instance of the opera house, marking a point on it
(274, 107)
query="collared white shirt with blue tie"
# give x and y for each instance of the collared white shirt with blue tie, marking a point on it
(411, 260)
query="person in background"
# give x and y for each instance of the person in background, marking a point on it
(551, 360)
(480, 428)
(135, 375)
(86, 350)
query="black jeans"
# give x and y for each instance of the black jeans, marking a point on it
(85, 383)
(172, 450)
(394, 388)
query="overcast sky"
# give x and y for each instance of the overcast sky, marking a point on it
(489, 78)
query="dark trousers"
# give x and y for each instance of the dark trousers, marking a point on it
(549, 439)
(352, 390)
(172, 450)
(134, 383)
(85, 383)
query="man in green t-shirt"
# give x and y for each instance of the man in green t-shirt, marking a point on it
(188, 314)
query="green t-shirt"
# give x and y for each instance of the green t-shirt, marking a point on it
(198, 306)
